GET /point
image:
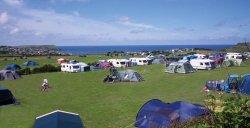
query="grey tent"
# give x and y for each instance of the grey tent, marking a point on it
(180, 67)
(159, 61)
(126, 75)
(129, 76)
(8, 75)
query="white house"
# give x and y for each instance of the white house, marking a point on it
(206, 64)
(74, 67)
(120, 62)
(139, 61)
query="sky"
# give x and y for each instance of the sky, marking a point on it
(124, 22)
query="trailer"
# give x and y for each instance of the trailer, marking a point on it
(139, 61)
(205, 64)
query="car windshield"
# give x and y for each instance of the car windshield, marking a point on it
(123, 63)
(144, 61)
(207, 63)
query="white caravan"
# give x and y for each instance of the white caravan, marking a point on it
(233, 56)
(74, 67)
(206, 64)
(118, 63)
(200, 56)
(139, 61)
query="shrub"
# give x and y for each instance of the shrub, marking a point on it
(24, 71)
(235, 113)
(46, 68)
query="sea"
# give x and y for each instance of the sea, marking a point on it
(82, 50)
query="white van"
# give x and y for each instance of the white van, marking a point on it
(139, 61)
(206, 64)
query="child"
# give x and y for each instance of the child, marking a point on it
(45, 85)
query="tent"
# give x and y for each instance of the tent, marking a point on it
(126, 75)
(30, 63)
(180, 67)
(232, 62)
(62, 60)
(157, 114)
(59, 119)
(129, 76)
(6, 97)
(8, 75)
(104, 65)
(238, 83)
(12, 67)
(159, 61)
(245, 85)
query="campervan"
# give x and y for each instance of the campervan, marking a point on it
(206, 64)
(139, 61)
(118, 63)
(233, 56)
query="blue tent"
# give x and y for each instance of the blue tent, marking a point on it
(245, 85)
(59, 119)
(157, 114)
(30, 63)
(12, 67)
(6, 97)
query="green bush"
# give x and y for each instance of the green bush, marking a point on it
(46, 68)
(24, 71)
(235, 114)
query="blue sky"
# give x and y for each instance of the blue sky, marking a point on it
(124, 22)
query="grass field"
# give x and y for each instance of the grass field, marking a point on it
(101, 105)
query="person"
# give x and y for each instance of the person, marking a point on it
(45, 85)
(109, 79)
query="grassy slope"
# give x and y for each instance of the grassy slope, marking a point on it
(102, 105)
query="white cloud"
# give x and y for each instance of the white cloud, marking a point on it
(4, 18)
(128, 22)
(14, 30)
(14, 2)
(66, 1)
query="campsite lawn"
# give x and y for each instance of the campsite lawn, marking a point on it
(102, 105)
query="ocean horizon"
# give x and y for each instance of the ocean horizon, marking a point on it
(79, 50)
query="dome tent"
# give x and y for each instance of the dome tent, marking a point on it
(245, 84)
(59, 119)
(30, 63)
(126, 75)
(157, 114)
(12, 67)
(8, 75)
(180, 67)
(6, 97)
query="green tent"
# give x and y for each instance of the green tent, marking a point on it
(231, 62)
(180, 67)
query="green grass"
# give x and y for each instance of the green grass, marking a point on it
(101, 105)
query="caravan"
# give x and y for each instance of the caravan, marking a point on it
(74, 67)
(206, 64)
(233, 56)
(118, 63)
(139, 61)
